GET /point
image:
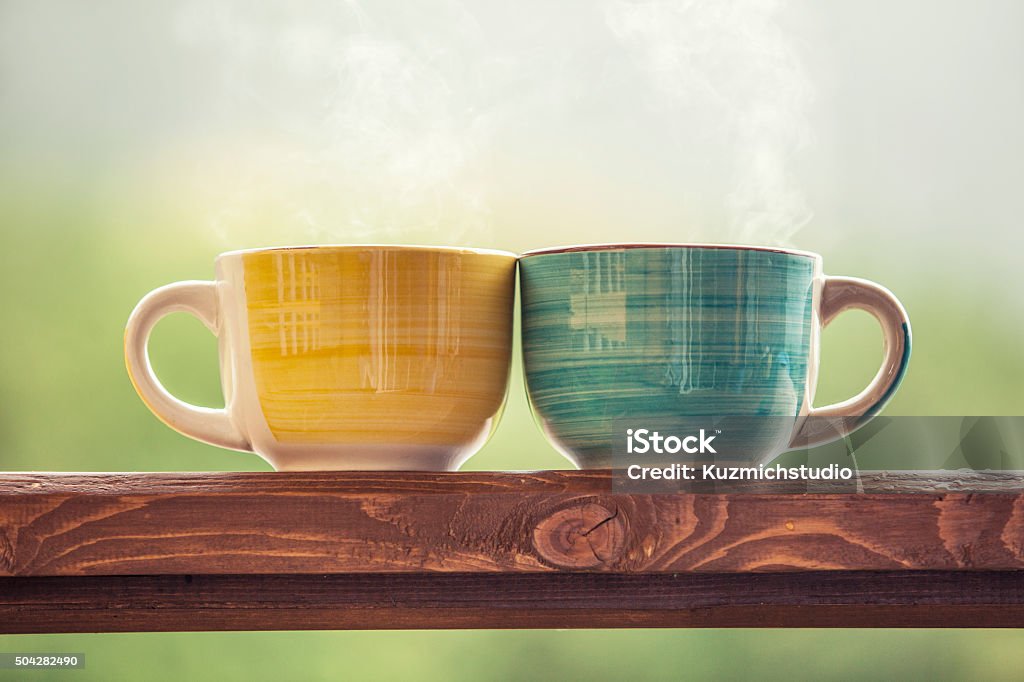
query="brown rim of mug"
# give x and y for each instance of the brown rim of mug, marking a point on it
(578, 248)
(373, 247)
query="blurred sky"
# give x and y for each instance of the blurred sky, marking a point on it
(140, 139)
(874, 126)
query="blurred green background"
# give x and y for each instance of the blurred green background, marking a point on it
(138, 140)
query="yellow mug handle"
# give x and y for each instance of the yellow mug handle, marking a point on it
(209, 425)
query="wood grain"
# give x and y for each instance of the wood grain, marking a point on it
(518, 523)
(475, 600)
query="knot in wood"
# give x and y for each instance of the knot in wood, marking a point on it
(584, 535)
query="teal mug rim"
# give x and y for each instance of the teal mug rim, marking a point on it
(587, 248)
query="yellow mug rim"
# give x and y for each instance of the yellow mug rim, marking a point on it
(463, 250)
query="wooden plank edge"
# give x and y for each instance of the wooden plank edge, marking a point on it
(424, 483)
(458, 601)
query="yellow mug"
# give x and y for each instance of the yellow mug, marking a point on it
(345, 357)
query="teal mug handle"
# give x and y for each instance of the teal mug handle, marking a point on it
(832, 422)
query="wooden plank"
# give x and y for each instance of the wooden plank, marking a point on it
(552, 600)
(334, 523)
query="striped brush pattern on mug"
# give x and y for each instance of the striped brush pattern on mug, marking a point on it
(662, 334)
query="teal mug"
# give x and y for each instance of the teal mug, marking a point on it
(692, 340)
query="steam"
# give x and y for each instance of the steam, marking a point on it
(361, 133)
(382, 122)
(731, 65)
